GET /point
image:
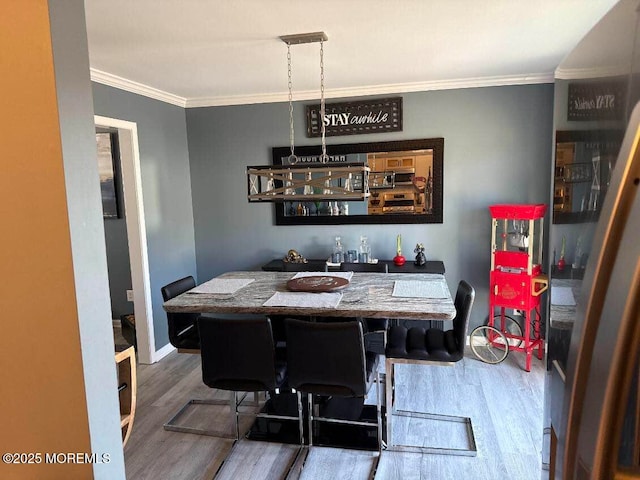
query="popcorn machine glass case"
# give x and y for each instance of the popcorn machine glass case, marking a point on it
(516, 278)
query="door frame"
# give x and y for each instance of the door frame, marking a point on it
(136, 235)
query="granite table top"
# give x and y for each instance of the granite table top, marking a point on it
(367, 295)
(562, 317)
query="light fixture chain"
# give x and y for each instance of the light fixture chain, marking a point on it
(303, 184)
(292, 158)
(324, 158)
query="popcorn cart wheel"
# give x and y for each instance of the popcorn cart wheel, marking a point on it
(488, 341)
(489, 344)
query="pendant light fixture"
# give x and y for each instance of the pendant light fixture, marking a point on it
(312, 181)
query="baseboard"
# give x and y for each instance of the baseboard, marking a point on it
(163, 352)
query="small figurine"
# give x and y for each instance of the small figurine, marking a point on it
(421, 259)
(294, 257)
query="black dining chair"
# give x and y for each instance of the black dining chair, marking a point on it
(328, 360)
(183, 328)
(433, 346)
(239, 355)
(374, 327)
(183, 334)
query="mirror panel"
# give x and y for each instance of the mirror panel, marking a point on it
(405, 184)
(584, 161)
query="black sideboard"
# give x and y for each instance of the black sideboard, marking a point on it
(432, 266)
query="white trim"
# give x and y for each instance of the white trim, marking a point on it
(116, 322)
(588, 73)
(136, 234)
(134, 87)
(533, 78)
(163, 352)
(218, 101)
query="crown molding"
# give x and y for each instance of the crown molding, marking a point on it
(496, 81)
(218, 101)
(134, 87)
(590, 73)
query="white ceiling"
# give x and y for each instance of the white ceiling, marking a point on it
(222, 52)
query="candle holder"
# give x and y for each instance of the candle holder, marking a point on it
(399, 259)
(561, 262)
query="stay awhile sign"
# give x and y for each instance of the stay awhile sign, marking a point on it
(350, 118)
(597, 100)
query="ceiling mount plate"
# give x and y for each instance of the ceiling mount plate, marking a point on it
(299, 38)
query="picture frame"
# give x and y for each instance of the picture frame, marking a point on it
(360, 152)
(107, 148)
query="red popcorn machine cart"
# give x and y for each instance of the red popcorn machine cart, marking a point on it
(516, 285)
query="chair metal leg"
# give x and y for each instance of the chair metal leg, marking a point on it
(300, 417)
(381, 444)
(388, 388)
(171, 424)
(379, 411)
(310, 417)
(374, 467)
(294, 469)
(236, 414)
(391, 412)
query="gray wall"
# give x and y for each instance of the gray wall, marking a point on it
(166, 188)
(497, 150)
(73, 89)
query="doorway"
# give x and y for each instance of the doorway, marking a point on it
(136, 234)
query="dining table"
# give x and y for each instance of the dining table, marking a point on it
(402, 296)
(420, 296)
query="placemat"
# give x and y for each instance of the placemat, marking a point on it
(417, 289)
(562, 296)
(222, 285)
(304, 300)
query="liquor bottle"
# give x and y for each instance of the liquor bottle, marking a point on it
(364, 251)
(577, 257)
(338, 251)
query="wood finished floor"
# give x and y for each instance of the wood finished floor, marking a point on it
(504, 402)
